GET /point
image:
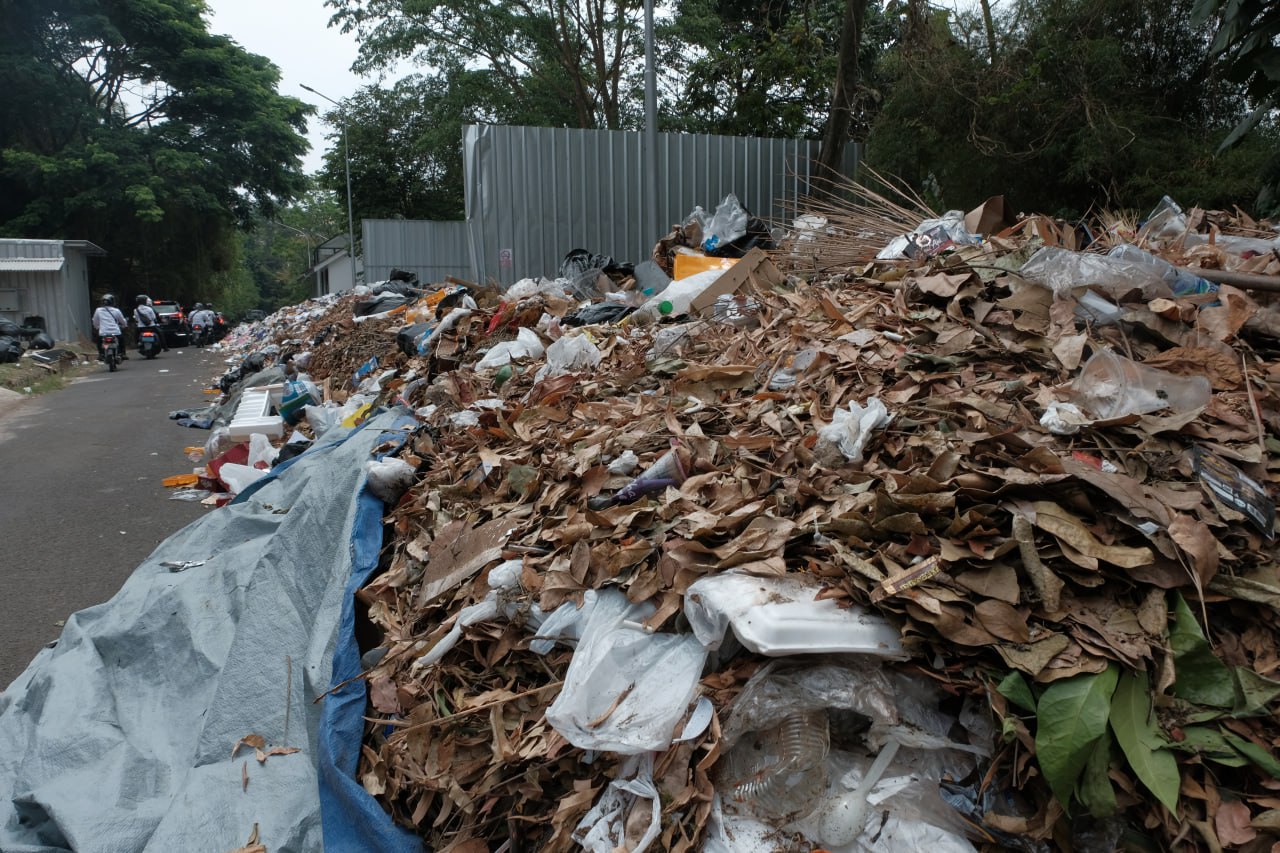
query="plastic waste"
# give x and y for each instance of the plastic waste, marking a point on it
(1111, 386)
(727, 224)
(850, 430)
(321, 419)
(1181, 282)
(780, 616)
(389, 478)
(1098, 310)
(737, 310)
(261, 454)
(1168, 222)
(779, 772)
(526, 345)
(626, 689)
(298, 395)
(628, 816)
(191, 495)
(1063, 418)
(1062, 270)
(570, 354)
(788, 376)
(668, 470)
(237, 478)
(929, 238)
(650, 279)
(677, 299)
(218, 443)
(624, 464)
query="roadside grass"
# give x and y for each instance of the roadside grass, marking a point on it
(26, 374)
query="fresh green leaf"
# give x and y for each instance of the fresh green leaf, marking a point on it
(1095, 791)
(1259, 756)
(1202, 678)
(1014, 688)
(1070, 717)
(1208, 742)
(1141, 741)
(1253, 693)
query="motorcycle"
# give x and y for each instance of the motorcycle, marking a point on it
(111, 351)
(200, 334)
(149, 344)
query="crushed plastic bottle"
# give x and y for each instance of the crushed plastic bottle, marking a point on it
(781, 772)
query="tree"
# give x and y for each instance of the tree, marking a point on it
(582, 52)
(129, 124)
(1247, 46)
(843, 92)
(1088, 102)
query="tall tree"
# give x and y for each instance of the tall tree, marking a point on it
(583, 51)
(1089, 102)
(126, 122)
(843, 89)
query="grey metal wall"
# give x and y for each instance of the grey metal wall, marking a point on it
(61, 297)
(535, 193)
(431, 249)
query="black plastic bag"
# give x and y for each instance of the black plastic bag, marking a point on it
(10, 329)
(758, 236)
(407, 338)
(10, 349)
(605, 312)
(403, 275)
(42, 341)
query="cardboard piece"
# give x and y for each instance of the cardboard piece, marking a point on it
(754, 271)
(990, 217)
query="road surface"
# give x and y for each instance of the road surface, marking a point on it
(81, 503)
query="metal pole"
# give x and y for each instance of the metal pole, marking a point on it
(651, 127)
(346, 156)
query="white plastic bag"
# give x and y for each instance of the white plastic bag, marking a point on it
(237, 478)
(570, 354)
(389, 478)
(850, 430)
(322, 418)
(526, 345)
(727, 224)
(604, 828)
(626, 689)
(1062, 270)
(261, 452)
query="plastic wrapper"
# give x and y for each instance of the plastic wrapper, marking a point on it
(628, 815)
(929, 238)
(218, 443)
(261, 453)
(1111, 386)
(727, 224)
(626, 689)
(1181, 282)
(1062, 270)
(850, 429)
(570, 354)
(526, 345)
(389, 478)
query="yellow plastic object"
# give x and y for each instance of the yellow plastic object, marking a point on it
(687, 265)
(181, 480)
(358, 415)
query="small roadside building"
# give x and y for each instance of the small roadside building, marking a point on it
(335, 270)
(49, 280)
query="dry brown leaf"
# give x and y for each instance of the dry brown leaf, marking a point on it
(1198, 541)
(252, 845)
(254, 740)
(1232, 823)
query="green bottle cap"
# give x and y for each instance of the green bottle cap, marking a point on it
(665, 307)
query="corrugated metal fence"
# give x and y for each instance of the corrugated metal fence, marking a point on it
(431, 249)
(535, 193)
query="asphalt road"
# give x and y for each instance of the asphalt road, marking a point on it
(81, 502)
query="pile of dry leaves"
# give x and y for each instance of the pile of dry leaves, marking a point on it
(1103, 590)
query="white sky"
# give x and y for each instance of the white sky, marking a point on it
(294, 34)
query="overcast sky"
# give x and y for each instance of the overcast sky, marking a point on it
(294, 34)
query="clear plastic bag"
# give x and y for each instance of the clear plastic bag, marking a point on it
(611, 825)
(1111, 386)
(570, 354)
(626, 689)
(526, 345)
(727, 224)
(851, 428)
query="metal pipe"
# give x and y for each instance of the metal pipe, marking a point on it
(1247, 280)
(651, 128)
(346, 156)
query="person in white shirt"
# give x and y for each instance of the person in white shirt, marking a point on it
(204, 318)
(108, 320)
(144, 316)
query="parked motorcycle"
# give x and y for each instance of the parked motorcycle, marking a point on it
(149, 344)
(111, 351)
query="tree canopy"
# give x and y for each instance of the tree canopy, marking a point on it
(126, 122)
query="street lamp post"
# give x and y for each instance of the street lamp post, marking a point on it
(346, 155)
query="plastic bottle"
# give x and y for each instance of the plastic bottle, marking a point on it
(1181, 282)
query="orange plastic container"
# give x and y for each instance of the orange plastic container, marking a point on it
(687, 265)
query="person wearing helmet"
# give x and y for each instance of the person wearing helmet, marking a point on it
(107, 320)
(203, 318)
(144, 316)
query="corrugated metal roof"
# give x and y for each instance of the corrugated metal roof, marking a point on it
(31, 264)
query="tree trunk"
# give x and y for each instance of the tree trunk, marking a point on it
(840, 116)
(991, 29)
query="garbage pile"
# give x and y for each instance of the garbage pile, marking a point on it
(968, 545)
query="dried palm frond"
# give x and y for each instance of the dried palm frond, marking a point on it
(851, 223)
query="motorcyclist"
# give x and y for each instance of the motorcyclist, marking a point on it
(107, 320)
(144, 317)
(203, 318)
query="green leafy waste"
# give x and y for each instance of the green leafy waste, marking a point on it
(1071, 717)
(1142, 740)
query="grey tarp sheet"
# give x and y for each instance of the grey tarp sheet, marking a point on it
(119, 738)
